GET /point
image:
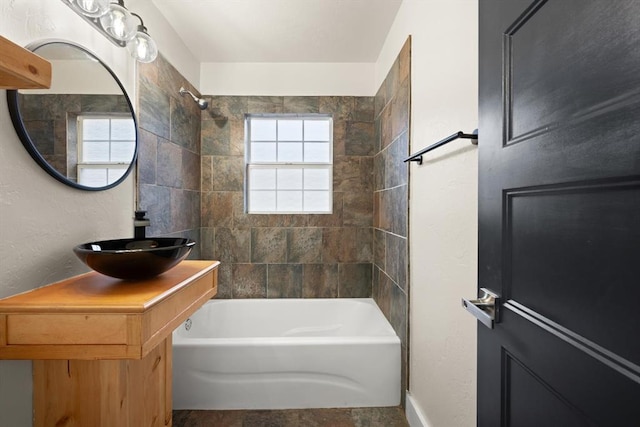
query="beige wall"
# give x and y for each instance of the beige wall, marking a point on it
(290, 79)
(442, 205)
(40, 218)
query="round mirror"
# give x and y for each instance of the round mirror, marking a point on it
(82, 130)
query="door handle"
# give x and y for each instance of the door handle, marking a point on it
(485, 308)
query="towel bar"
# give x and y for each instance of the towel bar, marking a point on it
(417, 157)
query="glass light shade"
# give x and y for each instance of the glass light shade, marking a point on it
(142, 47)
(92, 8)
(119, 23)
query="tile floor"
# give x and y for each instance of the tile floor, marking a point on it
(343, 417)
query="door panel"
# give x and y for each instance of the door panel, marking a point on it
(566, 259)
(552, 42)
(549, 409)
(585, 376)
(559, 212)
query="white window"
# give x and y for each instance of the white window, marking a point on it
(106, 146)
(289, 164)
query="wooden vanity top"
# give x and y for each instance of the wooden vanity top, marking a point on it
(96, 292)
(92, 316)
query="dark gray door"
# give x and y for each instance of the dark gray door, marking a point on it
(559, 212)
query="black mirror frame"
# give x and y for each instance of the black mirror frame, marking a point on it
(18, 124)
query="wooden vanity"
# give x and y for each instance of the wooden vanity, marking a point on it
(101, 347)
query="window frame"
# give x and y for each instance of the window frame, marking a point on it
(281, 165)
(107, 166)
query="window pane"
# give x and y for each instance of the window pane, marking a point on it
(289, 130)
(317, 130)
(289, 201)
(289, 179)
(317, 152)
(263, 152)
(316, 179)
(263, 130)
(95, 129)
(123, 129)
(262, 201)
(278, 146)
(317, 201)
(114, 174)
(289, 152)
(95, 151)
(262, 179)
(122, 151)
(92, 177)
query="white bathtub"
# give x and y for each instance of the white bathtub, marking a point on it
(286, 354)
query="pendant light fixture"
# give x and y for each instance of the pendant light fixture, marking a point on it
(142, 47)
(117, 24)
(93, 8)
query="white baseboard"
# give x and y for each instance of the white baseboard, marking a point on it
(414, 413)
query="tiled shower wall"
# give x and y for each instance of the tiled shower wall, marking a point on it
(287, 256)
(169, 153)
(51, 123)
(391, 198)
(191, 180)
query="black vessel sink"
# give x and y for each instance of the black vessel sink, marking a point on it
(134, 259)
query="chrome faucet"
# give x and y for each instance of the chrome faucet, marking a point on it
(140, 223)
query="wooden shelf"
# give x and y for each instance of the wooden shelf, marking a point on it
(93, 316)
(21, 68)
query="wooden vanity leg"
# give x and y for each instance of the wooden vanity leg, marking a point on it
(168, 381)
(104, 393)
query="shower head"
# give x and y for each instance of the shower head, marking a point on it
(202, 104)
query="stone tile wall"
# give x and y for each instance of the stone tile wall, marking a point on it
(191, 180)
(288, 256)
(391, 197)
(169, 152)
(51, 123)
